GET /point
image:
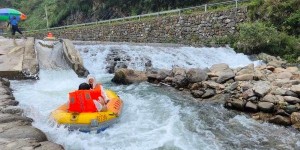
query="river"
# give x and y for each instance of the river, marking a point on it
(153, 117)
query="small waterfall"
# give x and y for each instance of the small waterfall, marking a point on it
(50, 55)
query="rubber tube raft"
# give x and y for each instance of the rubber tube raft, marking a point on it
(90, 121)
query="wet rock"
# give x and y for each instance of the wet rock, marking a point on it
(266, 106)
(162, 74)
(281, 120)
(4, 118)
(5, 102)
(196, 75)
(12, 110)
(4, 91)
(120, 65)
(208, 93)
(5, 82)
(197, 93)
(128, 76)
(46, 145)
(290, 109)
(251, 107)
(282, 113)
(21, 132)
(235, 104)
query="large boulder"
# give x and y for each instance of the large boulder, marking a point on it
(129, 76)
(196, 75)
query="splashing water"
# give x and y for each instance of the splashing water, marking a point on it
(153, 117)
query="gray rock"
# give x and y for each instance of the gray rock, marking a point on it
(291, 100)
(270, 98)
(261, 88)
(282, 113)
(236, 104)
(290, 93)
(232, 86)
(225, 75)
(49, 146)
(163, 73)
(266, 106)
(208, 93)
(4, 118)
(290, 109)
(12, 110)
(196, 75)
(5, 82)
(248, 93)
(281, 120)
(244, 77)
(278, 91)
(21, 132)
(251, 107)
(197, 93)
(296, 88)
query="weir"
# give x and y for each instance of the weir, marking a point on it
(153, 117)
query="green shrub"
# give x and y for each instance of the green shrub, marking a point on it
(258, 37)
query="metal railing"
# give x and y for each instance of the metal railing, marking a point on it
(175, 11)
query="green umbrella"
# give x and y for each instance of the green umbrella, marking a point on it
(6, 12)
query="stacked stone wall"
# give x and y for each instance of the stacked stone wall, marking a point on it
(189, 29)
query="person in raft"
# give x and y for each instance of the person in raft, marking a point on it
(94, 85)
(90, 97)
(100, 104)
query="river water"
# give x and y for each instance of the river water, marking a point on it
(153, 117)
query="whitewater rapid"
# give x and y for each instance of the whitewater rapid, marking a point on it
(153, 117)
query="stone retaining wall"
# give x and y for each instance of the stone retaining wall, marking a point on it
(194, 29)
(16, 131)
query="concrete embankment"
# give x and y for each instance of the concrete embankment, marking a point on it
(18, 61)
(16, 130)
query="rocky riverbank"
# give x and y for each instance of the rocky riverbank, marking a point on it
(270, 92)
(16, 130)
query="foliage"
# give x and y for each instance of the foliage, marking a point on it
(283, 14)
(257, 37)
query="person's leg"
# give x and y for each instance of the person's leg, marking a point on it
(19, 31)
(13, 30)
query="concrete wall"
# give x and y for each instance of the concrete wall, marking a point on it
(185, 29)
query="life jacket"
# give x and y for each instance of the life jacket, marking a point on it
(82, 101)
